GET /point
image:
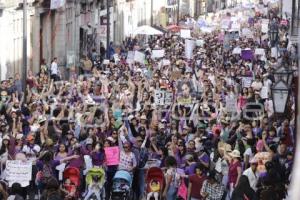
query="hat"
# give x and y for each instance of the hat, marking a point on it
(19, 136)
(235, 154)
(89, 141)
(6, 137)
(163, 120)
(3, 93)
(41, 119)
(130, 117)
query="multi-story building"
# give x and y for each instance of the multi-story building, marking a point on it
(11, 40)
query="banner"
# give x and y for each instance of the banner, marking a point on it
(57, 4)
(139, 57)
(18, 171)
(189, 47)
(112, 155)
(158, 53)
(163, 97)
(185, 33)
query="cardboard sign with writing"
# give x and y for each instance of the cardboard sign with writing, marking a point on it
(18, 171)
(175, 75)
(189, 47)
(231, 104)
(259, 51)
(158, 53)
(185, 33)
(139, 57)
(163, 98)
(112, 155)
(246, 82)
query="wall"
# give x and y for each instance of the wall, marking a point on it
(11, 40)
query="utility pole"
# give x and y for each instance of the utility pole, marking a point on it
(107, 28)
(151, 12)
(178, 12)
(24, 47)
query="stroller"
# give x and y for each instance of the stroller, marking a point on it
(95, 180)
(121, 189)
(155, 176)
(72, 182)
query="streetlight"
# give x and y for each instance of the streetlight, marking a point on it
(280, 93)
(285, 74)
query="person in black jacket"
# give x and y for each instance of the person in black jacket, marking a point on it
(243, 190)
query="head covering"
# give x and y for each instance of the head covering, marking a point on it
(235, 154)
(6, 137)
(19, 136)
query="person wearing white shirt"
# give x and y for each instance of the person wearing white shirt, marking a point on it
(252, 174)
(54, 70)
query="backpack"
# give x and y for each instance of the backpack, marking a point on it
(44, 174)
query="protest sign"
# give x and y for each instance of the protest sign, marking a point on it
(112, 155)
(18, 171)
(130, 57)
(189, 47)
(264, 92)
(199, 43)
(246, 81)
(259, 51)
(158, 53)
(247, 54)
(166, 62)
(246, 32)
(274, 52)
(231, 104)
(175, 75)
(105, 62)
(185, 33)
(163, 97)
(139, 57)
(237, 50)
(264, 28)
(264, 37)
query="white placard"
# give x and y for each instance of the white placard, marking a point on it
(18, 171)
(264, 92)
(200, 43)
(57, 4)
(247, 33)
(237, 50)
(130, 57)
(158, 53)
(105, 62)
(139, 57)
(259, 51)
(189, 47)
(264, 28)
(231, 104)
(274, 52)
(246, 82)
(166, 62)
(264, 37)
(185, 33)
(163, 98)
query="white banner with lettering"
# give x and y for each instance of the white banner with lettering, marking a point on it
(18, 171)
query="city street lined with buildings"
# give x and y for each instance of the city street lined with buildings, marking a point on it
(148, 99)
